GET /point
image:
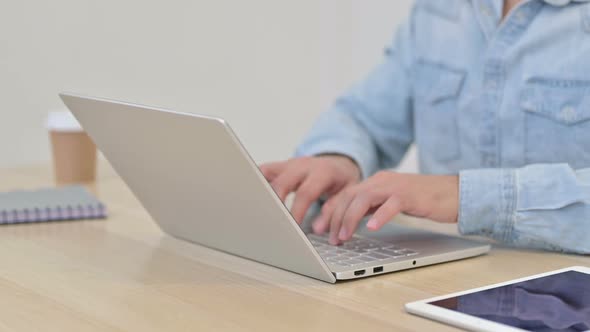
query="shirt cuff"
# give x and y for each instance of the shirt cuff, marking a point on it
(487, 203)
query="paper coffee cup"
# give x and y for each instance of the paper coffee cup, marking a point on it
(74, 153)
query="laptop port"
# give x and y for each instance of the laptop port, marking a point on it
(378, 269)
(359, 272)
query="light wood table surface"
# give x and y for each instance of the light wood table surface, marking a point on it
(124, 274)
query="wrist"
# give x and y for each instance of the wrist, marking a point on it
(347, 161)
(448, 199)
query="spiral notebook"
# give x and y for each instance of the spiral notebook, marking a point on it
(51, 204)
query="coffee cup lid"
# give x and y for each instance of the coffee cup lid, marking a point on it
(63, 121)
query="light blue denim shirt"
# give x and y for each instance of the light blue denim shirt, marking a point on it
(503, 103)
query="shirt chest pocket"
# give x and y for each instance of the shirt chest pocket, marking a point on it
(557, 121)
(435, 101)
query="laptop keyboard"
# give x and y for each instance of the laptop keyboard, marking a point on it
(357, 251)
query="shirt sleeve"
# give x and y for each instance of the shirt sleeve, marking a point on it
(372, 123)
(542, 206)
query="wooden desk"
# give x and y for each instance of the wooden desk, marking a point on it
(124, 274)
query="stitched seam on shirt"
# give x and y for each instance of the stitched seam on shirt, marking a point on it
(508, 198)
(451, 11)
(462, 194)
(558, 83)
(516, 193)
(586, 18)
(500, 96)
(502, 230)
(526, 138)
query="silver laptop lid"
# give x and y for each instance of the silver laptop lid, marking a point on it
(196, 180)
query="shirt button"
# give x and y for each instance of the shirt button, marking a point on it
(486, 10)
(520, 17)
(568, 113)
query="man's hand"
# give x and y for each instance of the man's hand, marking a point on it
(385, 195)
(310, 178)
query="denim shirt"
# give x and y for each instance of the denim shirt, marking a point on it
(503, 103)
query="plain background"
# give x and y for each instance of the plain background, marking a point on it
(268, 67)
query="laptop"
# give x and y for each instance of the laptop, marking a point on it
(198, 183)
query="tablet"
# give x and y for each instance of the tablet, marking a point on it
(553, 301)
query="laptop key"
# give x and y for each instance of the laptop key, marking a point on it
(342, 264)
(338, 261)
(340, 251)
(349, 245)
(322, 251)
(363, 246)
(350, 254)
(387, 252)
(329, 255)
(365, 258)
(317, 238)
(352, 262)
(408, 252)
(330, 249)
(377, 255)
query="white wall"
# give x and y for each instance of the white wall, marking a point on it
(267, 66)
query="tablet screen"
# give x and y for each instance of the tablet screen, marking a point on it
(559, 302)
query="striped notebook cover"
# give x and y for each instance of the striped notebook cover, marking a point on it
(52, 204)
